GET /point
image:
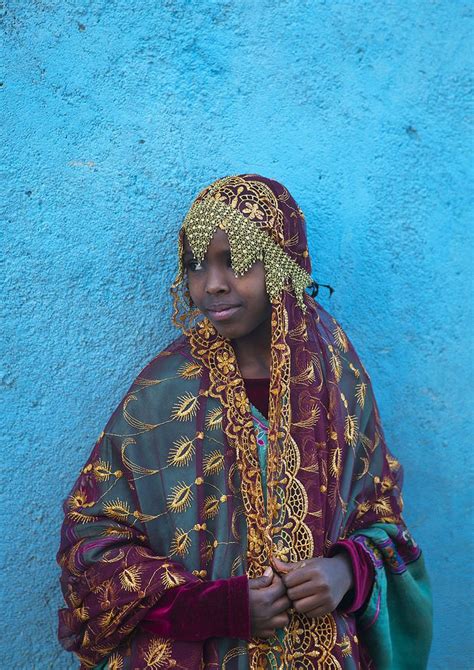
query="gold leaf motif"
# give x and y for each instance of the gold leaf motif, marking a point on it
(213, 463)
(354, 370)
(360, 392)
(115, 662)
(299, 332)
(341, 339)
(74, 599)
(351, 430)
(211, 507)
(311, 420)
(117, 531)
(158, 653)
(214, 418)
(336, 365)
(190, 371)
(180, 497)
(171, 579)
(345, 645)
(180, 543)
(130, 578)
(79, 517)
(306, 377)
(101, 470)
(107, 618)
(181, 452)
(386, 485)
(382, 506)
(82, 613)
(117, 509)
(186, 407)
(393, 464)
(75, 502)
(336, 462)
(77, 499)
(207, 552)
(106, 593)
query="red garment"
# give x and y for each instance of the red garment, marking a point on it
(194, 612)
(258, 391)
(363, 575)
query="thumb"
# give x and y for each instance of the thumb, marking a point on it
(264, 580)
(281, 567)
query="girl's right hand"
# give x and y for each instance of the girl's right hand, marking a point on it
(268, 604)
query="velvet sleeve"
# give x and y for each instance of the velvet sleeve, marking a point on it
(363, 575)
(194, 612)
(110, 577)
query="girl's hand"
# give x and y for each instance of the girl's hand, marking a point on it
(268, 604)
(316, 586)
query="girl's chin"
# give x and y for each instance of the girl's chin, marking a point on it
(228, 331)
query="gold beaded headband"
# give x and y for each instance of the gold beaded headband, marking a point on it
(248, 244)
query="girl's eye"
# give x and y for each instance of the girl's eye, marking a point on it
(194, 266)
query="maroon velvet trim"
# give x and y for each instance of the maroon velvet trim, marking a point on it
(258, 391)
(363, 574)
(202, 610)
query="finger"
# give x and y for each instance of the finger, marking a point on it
(276, 589)
(281, 605)
(311, 604)
(262, 582)
(280, 566)
(284, 568)
(301, 591)
(300, 576)
(280, 621)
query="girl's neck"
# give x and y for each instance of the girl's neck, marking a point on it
(253, 352)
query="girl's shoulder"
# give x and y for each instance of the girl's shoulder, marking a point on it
(174, 358)
(171, 378)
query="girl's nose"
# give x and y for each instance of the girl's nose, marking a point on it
(216, 281)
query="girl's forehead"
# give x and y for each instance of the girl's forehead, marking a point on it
(219, 242)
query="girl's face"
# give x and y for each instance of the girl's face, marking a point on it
(236, 306)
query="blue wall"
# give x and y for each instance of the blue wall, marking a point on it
(117, 113)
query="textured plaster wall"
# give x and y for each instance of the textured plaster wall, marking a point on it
(117, 112)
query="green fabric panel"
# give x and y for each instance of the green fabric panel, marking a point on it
(399, 636)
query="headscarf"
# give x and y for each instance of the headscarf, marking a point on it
(318, 387)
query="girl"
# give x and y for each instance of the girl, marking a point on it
(241, 508)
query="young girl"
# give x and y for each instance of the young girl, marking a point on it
(241, 508)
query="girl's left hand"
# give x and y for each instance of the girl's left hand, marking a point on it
(316, 586)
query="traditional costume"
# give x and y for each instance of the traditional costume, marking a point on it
(191, 489)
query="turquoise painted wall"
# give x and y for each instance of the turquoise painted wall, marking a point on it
(117, 112)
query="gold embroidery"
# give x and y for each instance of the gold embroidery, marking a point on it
(185, 408)
(130, 578)
(181, 452)
(180, 497)
(279, 530)
(158, 654)
(310, 643)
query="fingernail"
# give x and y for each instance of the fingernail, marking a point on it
(268, 572)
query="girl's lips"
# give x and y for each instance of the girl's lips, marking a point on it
(223, 314)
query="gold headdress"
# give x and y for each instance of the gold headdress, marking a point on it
(248, 212)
